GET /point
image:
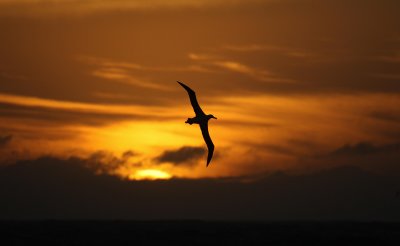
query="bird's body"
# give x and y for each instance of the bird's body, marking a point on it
(202, 119)
(199, 119)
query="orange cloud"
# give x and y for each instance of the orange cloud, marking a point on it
(281, 49)
(237, 67)
(123, 76)
(62, 7)
(78, 106)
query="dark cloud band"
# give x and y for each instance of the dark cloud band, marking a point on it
(183, 156)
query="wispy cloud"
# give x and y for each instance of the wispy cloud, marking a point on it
(388, 76)
(120, 72)
(121, 65)
(364, 148)
(385, 116)
(126, 72)
(123, 76)
(203, 57)
(293, 52)
(74, 7)
(258, 74)
(393, 58)
(8, 75)
(238, 67)
(250, 47)
(27, 101)
(108, 95)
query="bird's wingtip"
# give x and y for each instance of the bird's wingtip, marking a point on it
(183, 85)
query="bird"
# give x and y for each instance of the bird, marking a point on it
(201, 119)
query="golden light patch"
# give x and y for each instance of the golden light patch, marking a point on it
(149, 174)
(147, 137)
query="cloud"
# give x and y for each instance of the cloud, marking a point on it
(365, 148)
(115, 69)
(238, 67)
(382, 159)
(270, 48)
(186, 155)
(53, 117)
(238, 123)
(258, 74)
(4, 140)
(104, 162)
(203, 57)
(74, 7)
(252, 48)
(128, 154)
(278, 149)
(126, 72)
(108, 95)
(123, 76)
(385, 116)
(395, 58)
(388, 76)
(10, 76)
(37, 102)
(52, 188)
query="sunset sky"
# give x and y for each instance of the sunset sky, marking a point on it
(297, 86)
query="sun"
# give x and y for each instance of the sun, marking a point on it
(149, 174)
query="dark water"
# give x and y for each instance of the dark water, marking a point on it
(197, 233)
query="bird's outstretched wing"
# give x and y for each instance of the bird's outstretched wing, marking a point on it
(207, 139)
(193, 99)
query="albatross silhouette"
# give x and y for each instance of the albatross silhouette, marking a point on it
(202, 119)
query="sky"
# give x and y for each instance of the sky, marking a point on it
(298, 87)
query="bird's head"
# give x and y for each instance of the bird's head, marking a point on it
(210, 116)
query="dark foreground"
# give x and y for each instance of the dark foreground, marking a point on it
(198, 233)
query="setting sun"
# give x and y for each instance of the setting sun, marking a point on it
(149, 174)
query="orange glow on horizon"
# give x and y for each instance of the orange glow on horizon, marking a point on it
(149, 174)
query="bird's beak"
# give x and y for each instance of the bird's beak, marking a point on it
(215, 117)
